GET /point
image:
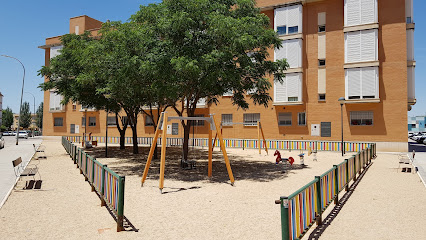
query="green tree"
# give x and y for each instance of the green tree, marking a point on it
(210, 48)
(25, 118)
(66, 74)
(39, 116)
(7, 117)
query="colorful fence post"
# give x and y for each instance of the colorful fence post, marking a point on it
(285, 230)
(336, 184)
(103, 186)
(347, 175)
(93, 175)
(120, 209)
(318, 203)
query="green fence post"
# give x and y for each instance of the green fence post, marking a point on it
(285, 230)
(355, 162)
(319, 210)
(93, 175)
(103, 186)
(336, 184)
(347, 175)
(120, 210)
(85, 170)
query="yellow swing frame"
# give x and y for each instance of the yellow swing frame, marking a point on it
(163, 129)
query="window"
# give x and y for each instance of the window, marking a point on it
(409, 20)
(282, 30)
(74, 106)
(321, 97)
(251, 119)
(226, 119)
(228, 93)
(72, 128)
(148, 121)
(291, 50)
(288, 20)
(55, 102)
(83, 121)
(197, 122)
(362, 83)
(124, 120)
(284, 119)
(175, 128)
(290, 90)
(321, 28)
(358, 12)
(88, 108)
(362, 118)
(292, 30)
(92, 121)
(301, 119)
(325, 129)
(112, 121)
(321, 62)
(55, 51)
(361, 46)
(58, 122)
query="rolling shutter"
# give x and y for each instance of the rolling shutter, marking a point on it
(369, 76)
(410, 44)
(353, 77)
(293, 85)
(293, 16)
(54, 51)
(368, 45)
(352, 12)
(294, 52)
(280, 17)
(280, 92)
(368, 11)
(353, 47)
(282, 52)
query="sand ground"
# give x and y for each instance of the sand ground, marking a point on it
(194, 207)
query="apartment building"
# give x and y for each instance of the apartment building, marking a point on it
(33, 124)
(359, 51)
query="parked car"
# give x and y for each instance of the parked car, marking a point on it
(5, 133)
(29, 132)
(23, 134)
(1, 140)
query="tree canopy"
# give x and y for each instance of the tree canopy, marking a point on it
(25, 118)
(7, 116)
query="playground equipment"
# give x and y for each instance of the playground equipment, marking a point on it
(310, 151)
(259, 133)
(279, 159)
(164, 118)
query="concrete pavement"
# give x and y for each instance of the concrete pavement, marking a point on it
(419, 160)
(10, 152)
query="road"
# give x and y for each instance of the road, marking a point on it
(419, 159)
(10, 152)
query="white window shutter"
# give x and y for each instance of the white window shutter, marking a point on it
(353, 12)
(282, 52)
(280, 92)
(353, 81)
(293, 53)
(293, 85)
(369, 45)
(368, 11)
(300, 18)
(52, 101)
(280, 17)
(54, 51)
(353, 47)
(293, 15)
(369, 80)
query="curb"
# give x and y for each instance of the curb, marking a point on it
(412, 162)
(17, 179)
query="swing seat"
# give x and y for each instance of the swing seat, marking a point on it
(187, 164)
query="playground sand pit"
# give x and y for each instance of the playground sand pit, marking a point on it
(193, 206)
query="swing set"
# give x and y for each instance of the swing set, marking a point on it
(259, 133)
(164, 119)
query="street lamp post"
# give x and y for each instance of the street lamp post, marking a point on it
(22, 93)
(342, 101)
(33, 113)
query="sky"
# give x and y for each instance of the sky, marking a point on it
(25, 24)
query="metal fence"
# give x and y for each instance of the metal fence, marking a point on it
(303, 208)
(108, 184)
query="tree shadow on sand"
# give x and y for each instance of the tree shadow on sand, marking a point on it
(242, 168)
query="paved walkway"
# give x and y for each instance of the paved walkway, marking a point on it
(10, 152)
(419, 160)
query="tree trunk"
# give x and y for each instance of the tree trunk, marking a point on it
(185, 147)
(122, 139)
(135, 139)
